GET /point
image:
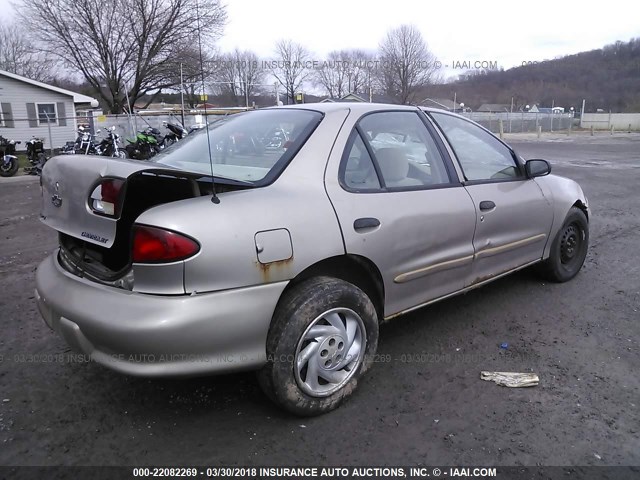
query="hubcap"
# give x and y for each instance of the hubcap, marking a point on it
(570, 243)
(329, 352)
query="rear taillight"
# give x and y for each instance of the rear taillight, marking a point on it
(156, 245)
(106, 198)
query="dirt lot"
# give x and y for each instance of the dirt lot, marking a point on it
(427, 405)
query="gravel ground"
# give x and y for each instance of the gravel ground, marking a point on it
(425, 405)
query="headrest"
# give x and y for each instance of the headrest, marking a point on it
(393, 163)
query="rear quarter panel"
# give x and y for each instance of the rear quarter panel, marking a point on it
(296, 201)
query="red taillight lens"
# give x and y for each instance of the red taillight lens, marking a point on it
(156, 245)
(111, 190)
(106, 197)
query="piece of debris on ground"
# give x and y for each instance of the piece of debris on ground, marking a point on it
(511, 379)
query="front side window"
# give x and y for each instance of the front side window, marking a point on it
(246, 147)
(481, 155)
(47, 113)
(404, 153)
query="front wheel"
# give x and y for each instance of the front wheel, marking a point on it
(569, 248)
(322, 339)
(133, 152)
(8, 167)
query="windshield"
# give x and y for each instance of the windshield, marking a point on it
(247, 147)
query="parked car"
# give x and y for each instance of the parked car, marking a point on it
(210, 259)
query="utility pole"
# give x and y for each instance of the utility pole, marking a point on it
(246, 91)
(50, 136)
(181, 95)
(510, 114)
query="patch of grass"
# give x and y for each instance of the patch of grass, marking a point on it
(22, 160)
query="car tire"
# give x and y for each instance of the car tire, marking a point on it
(569, 248)
(322, 339)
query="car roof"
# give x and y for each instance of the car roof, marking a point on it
(358, 107)
(353, 106)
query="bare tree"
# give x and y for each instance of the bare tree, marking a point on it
(333, 75)
(407, 64)
(361, 71)
(239, 75)
(196, 75)
(18, 55)
(123, 44)
(290, 67)
(345, 71)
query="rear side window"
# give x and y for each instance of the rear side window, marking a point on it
(481, 155)
(393, 150)
(359, 173)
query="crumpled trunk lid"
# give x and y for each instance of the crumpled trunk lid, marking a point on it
(67, 183)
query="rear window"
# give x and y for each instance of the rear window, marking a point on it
(248, 147)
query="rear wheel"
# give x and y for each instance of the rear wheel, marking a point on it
(8, 168)
(569, 248)
(322, 339)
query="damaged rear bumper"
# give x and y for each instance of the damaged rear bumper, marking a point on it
(158, 335)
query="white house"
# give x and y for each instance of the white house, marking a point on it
(34, 109)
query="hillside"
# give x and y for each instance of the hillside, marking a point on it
(608, 78)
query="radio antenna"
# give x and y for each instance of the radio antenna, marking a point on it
(214, 196)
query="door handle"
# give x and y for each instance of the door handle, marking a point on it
(487, 205)
(366, 223)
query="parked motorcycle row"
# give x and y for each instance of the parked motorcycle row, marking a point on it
(9, 161)
(86, 144)
(146, 144)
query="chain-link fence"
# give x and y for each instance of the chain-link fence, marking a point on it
(56, 131)
(520, 122)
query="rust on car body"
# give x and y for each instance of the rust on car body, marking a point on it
(276, 270)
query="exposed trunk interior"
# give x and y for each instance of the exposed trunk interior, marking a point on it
(143, 190)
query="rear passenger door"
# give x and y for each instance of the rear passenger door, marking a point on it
(401, 205)
(513, 216)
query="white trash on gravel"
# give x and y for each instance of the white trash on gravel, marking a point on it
(511, 379)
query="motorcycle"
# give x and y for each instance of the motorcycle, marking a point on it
(36, 156)
(110, 145)
(147, 143)
(84, 144)
(176, 133)
(275, 139)
(8, 159)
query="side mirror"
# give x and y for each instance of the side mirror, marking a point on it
(537, 168)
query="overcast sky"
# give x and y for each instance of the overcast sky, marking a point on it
(459, 30)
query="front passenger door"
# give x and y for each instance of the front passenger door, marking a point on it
(513, 218)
